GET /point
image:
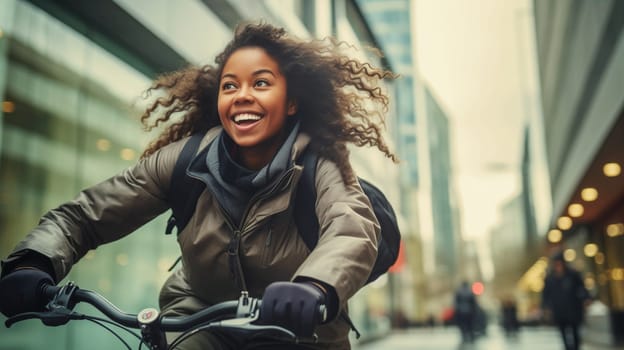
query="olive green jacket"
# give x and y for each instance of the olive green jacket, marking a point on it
(271, 249)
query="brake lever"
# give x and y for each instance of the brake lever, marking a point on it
(247, 313)
(22, 317)
(56, 317)
(279, 333)
(246, 325)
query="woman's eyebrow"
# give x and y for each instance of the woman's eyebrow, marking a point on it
(257, 72)
(264, 70)
(228, 75)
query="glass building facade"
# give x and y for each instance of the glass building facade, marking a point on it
(67, 123)
(391, 22)
(446, 239)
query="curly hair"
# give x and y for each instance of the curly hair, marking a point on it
(339, 98)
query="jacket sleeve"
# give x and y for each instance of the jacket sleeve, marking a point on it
(347, 248)
(102, 213)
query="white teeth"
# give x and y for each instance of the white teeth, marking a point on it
(239, 118)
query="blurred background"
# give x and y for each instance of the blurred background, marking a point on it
(508, 117)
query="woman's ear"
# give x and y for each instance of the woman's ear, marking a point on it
(292, 107)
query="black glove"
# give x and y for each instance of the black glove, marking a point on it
(292, 305)
(21, 291)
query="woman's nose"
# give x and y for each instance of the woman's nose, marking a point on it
(244, 95)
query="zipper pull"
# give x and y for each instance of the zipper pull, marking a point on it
(234, 243)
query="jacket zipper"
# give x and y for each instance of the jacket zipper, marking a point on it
(234, 244)
(262, 195)
(234, 261)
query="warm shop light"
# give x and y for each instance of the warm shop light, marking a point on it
(564, 223)
(103, 145)
(590, 283)
(600, 258)
(611, 169)
(127, 154)
(576, 210)
(122, 259)
(569, 255)
(554, 236)
(590, 250)
(614, 230)
(542, 263)
(589, 194)
(537, 285)
(8, 106)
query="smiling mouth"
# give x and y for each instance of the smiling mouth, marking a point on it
(246, 118)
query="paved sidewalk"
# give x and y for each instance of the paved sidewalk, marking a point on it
(539, 338)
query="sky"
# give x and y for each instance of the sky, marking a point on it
(478, 58)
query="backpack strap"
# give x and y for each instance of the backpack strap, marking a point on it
(184, 190)
(305, 212)
(305, 200)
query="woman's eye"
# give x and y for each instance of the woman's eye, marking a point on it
(228, 86)
(262, 83)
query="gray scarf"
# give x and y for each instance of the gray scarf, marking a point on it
(239, 184)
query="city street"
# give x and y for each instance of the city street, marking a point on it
(448, 339)
(485, 135)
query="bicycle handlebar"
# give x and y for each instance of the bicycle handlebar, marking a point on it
(234, 315)
(167, 324)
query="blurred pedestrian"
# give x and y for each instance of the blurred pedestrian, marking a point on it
(565, 298)
(431, 322)
(465, 311)
(510, 317)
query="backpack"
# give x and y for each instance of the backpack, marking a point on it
(186, 190)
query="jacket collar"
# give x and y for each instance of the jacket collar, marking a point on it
(300, 144)
(205, 167)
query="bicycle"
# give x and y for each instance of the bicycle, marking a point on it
(228, 316)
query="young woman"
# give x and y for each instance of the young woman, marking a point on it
(269, 98)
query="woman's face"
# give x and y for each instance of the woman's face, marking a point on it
(253, 104)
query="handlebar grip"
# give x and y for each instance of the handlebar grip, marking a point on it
(49, 291)
(321, 311)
